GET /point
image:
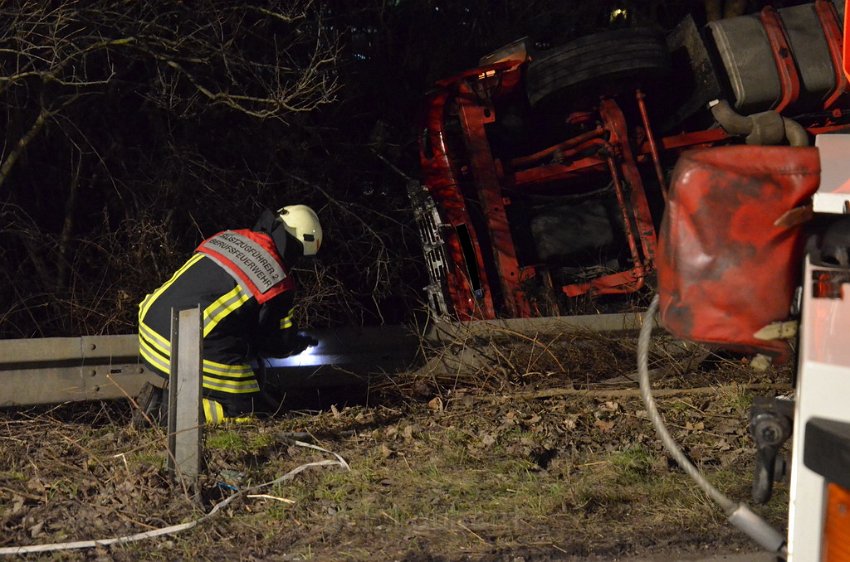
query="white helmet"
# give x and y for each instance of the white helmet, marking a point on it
(302, 223)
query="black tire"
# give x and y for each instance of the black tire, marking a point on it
(598, 64)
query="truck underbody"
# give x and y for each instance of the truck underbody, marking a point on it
(544, 173)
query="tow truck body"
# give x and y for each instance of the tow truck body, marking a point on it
(729, 282)
(819, 511)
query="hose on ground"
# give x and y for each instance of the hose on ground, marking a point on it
(738, 514)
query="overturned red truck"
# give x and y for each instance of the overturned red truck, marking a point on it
(544, 172)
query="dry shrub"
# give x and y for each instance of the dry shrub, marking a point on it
(506, 361)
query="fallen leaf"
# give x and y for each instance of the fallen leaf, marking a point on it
(407, 433)
(698, 426)
(35, 530)
(604, 426)
(488, 440)
(610, 406)
(35, 484)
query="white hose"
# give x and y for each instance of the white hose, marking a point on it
(76, 545)
(737, 513)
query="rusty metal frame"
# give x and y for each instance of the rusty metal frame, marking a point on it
(442, 182)
(473, 117)
(637, 219)
(613, 156)
(653, 146)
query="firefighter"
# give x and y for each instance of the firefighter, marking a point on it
(243, 283)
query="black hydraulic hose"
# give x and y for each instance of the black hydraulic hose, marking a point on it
(738, 514)
(732, 122)
(758, 128)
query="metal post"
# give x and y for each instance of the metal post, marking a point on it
(184, 396)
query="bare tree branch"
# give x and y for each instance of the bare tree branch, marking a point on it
(21, 145)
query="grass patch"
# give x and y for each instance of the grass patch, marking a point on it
(634, 465)
(226, 440)
(483, 475)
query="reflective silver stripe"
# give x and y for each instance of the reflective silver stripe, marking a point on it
(231, 387)
(254, 261)
(214, 369)
(225, 304)
(154, 358)
(213, 411)
(154, 340)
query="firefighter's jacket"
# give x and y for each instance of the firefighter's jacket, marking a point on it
(245, 294)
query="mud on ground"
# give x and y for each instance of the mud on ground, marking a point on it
(544, 454)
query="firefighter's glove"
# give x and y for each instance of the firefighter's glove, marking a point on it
(300, 342)
(290, 344)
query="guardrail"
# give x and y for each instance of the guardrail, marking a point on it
(56, 370)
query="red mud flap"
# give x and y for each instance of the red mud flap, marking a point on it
(727, 265)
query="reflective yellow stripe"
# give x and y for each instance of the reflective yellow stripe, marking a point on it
(231, 387)
(239, 378)
(214, 414)
(143, 306)
(234, 379)
(213, 411)
(286, 323)
(154, 358)
(154, 340)
(146, 303)
(223, 306)
(238, 371)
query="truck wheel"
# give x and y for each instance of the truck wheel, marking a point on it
(601, 63)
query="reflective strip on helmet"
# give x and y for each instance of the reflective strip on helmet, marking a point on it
(224, 305)
(149, 300)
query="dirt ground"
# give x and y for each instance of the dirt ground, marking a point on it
(544, 454)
